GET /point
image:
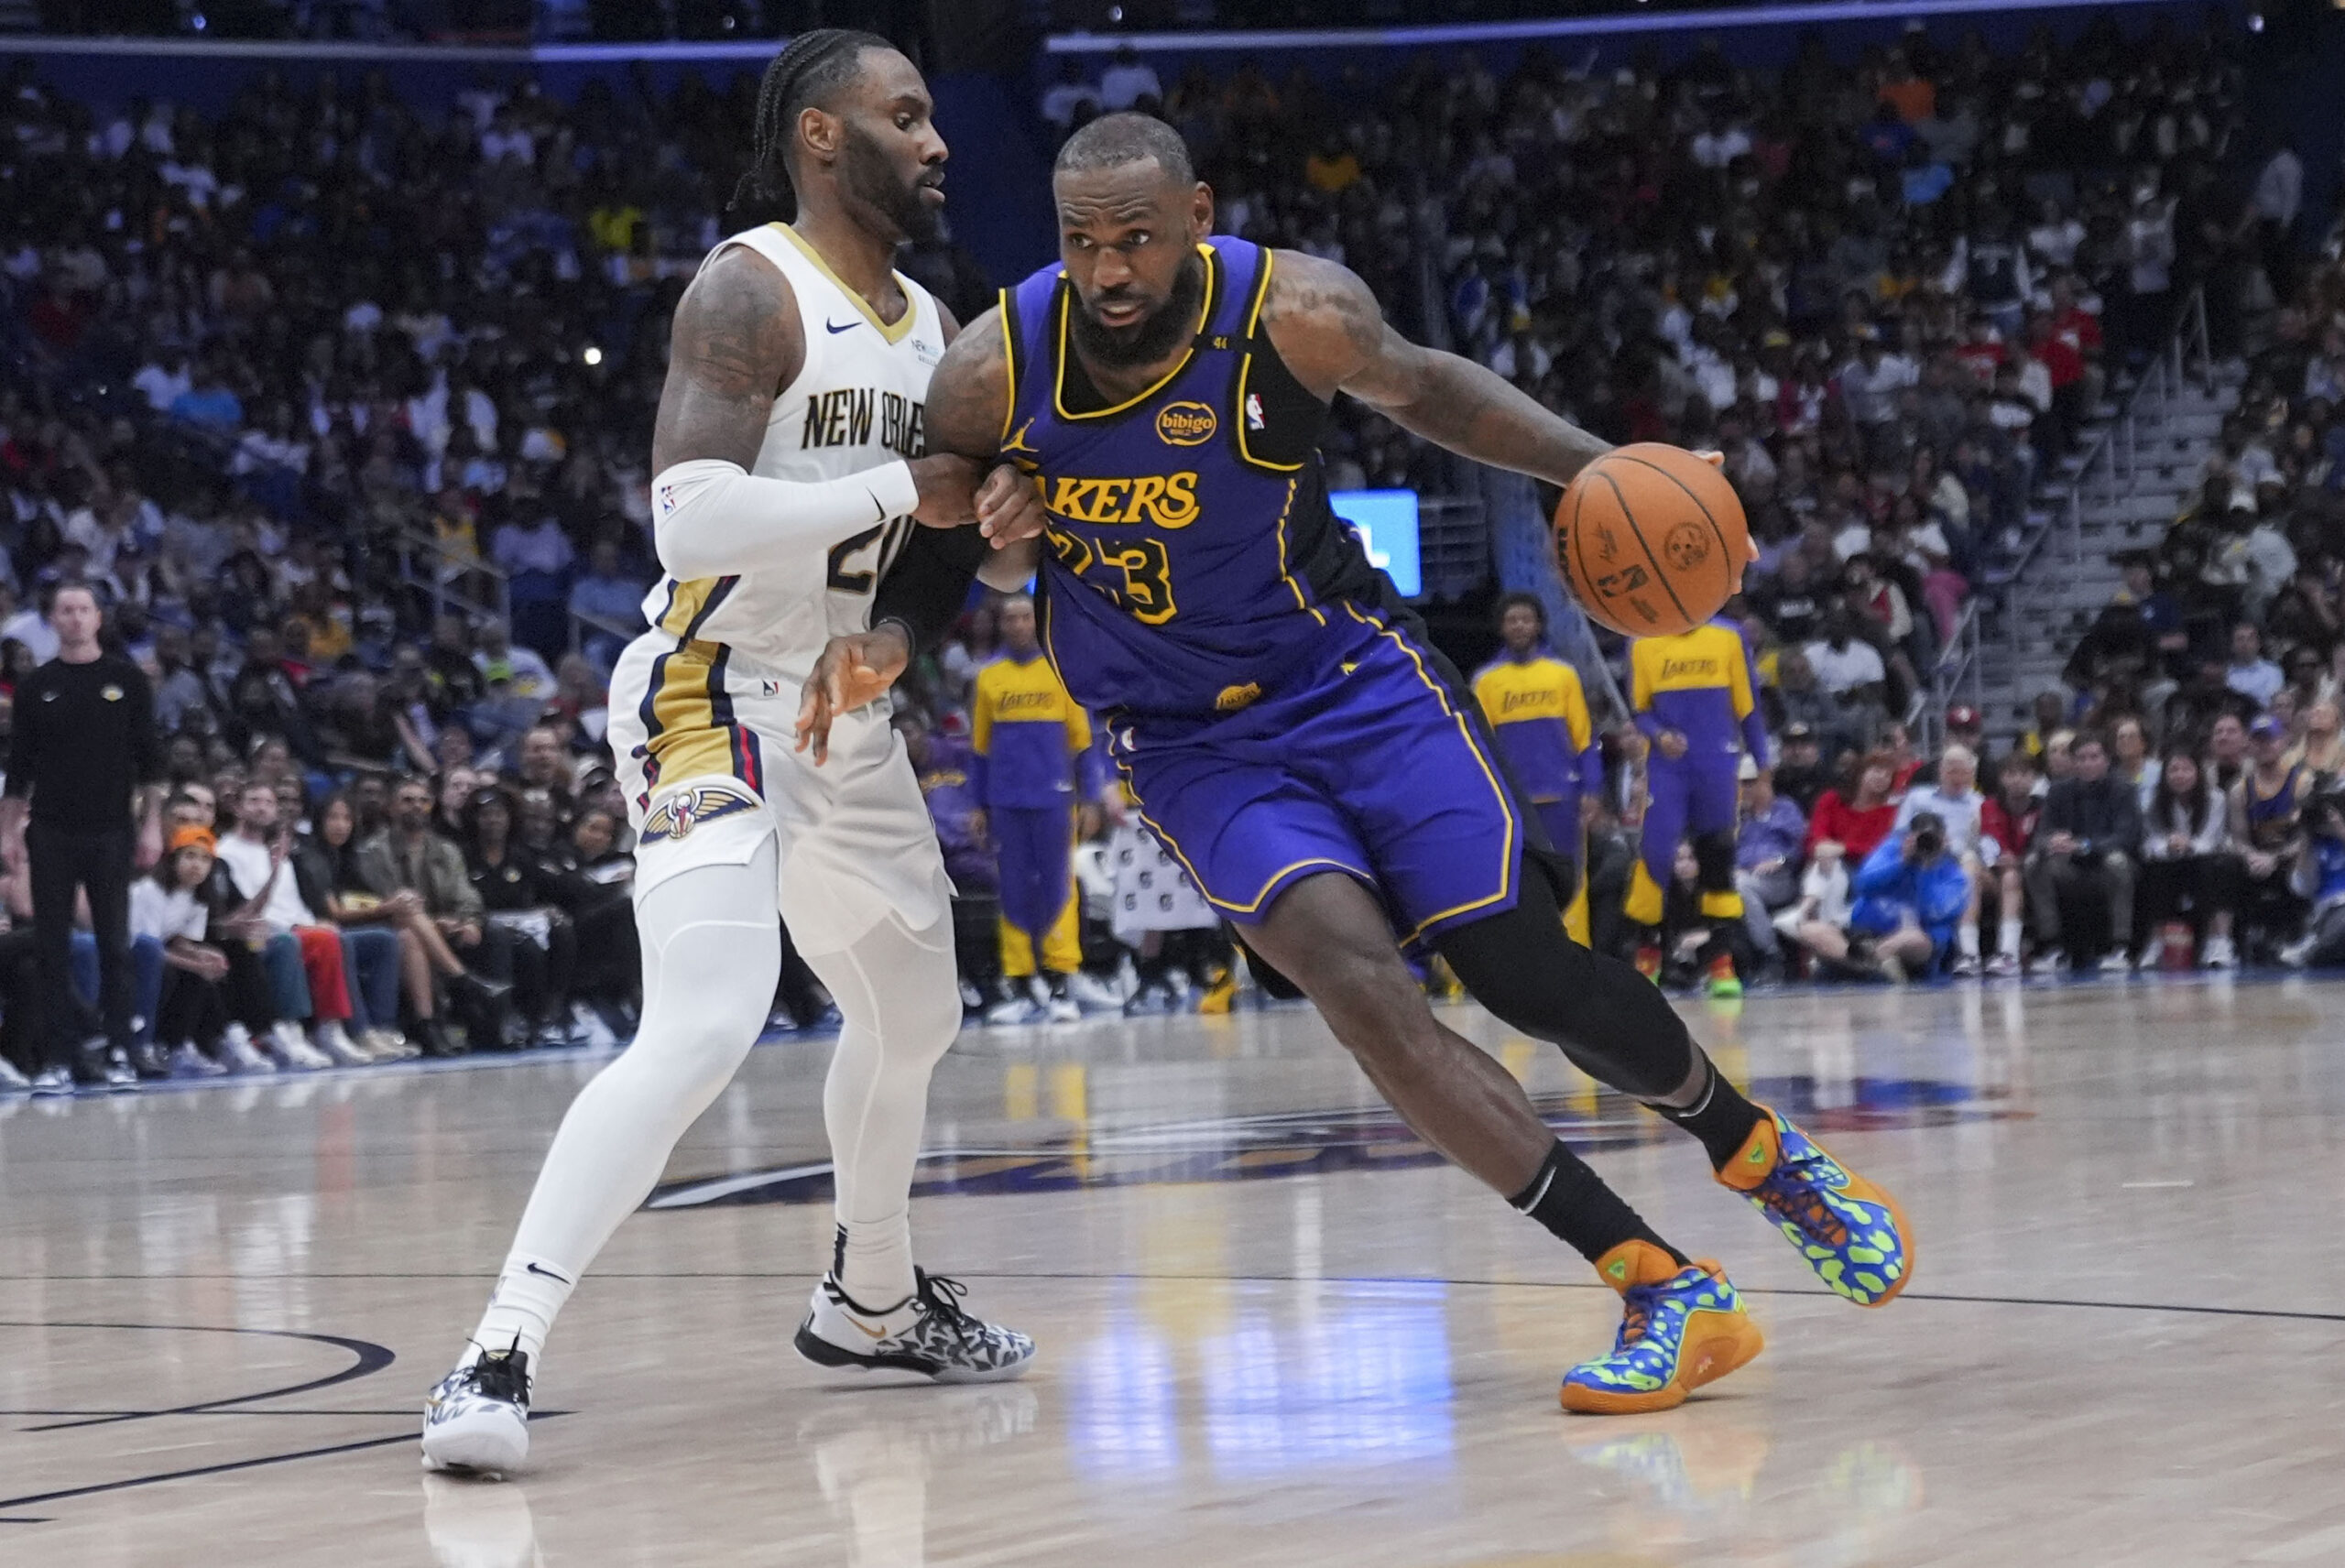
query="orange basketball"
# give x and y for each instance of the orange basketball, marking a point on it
(1652, 539)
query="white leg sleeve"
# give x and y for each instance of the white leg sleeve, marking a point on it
(900, 996)
(712, 953)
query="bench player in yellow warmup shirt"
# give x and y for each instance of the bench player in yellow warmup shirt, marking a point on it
(1031, 743)
(1539, 710)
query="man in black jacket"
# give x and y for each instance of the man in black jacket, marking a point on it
(85, 744)
(2085, 848)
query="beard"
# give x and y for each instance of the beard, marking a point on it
(868, 177)
(1154, 336)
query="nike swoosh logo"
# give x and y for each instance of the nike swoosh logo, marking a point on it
(836, 328)
(867, 1328)
(549, 1274)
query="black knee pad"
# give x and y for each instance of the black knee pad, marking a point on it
(1272, 983)
(1714, 856)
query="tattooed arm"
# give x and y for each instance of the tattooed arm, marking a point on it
(1327, 327)
(736, 343)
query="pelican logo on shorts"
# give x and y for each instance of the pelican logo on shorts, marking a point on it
(111, 693)
(674, 818)
(1186, 424)
(1233, 698)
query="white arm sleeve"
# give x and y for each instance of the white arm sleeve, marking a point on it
(710, 518)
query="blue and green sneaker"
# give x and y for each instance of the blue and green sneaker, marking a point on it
(1851, 1233)
(1680, 1328)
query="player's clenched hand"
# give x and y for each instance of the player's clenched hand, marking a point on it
(1009, 507)
(853, 671)
(948, 490)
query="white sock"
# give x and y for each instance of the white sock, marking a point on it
(712, 955)
(521, 1309)
(1966, 937)
(2007, 938)
(900, 997)
(875, 1261)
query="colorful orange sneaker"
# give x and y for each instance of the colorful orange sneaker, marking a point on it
(1851, 1233)
(1680, 1328)
(1649, 963)
(1725, 984)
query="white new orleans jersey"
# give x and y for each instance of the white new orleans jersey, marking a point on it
(856, 403)
(703, 704)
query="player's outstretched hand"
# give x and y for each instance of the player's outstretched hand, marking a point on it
(1718, 459)
(853, 671)
(1010, 506)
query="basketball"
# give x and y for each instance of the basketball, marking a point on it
(1652, 539)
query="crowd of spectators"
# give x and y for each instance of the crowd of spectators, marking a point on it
(317, 393)
(340, 402)
(2214, 677)
(1893, 294)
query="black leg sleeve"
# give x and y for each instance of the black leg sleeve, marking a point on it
(1714, 856)
(1611, 1021)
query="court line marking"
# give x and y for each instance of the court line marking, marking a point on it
(808, 1275)
(371, 1358)
(225, 1467)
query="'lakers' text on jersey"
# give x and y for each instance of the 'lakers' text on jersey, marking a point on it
(857, 402)
(1271, 702)
(1195, 564)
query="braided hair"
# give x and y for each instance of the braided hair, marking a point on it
(804, 75)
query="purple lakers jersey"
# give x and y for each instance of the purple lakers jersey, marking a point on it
(1194, 565)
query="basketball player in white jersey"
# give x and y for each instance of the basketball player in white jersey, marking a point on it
(790, 472)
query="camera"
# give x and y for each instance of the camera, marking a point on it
(1927, 841)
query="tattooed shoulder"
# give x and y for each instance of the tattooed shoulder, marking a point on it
(737, 329)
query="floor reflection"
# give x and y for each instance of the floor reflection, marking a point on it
(478, 1523)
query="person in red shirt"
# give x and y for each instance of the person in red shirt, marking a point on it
(2065, 361)
(2080, 330)
(1980, 349)
(1851, 825)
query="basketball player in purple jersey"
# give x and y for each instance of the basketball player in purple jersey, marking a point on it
(1295, 741)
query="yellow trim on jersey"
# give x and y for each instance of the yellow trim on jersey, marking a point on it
(689, 597)
(1284, 575)
(1253, 319)
(1261, 893)
(1506, 804)
(1010, 364)
(688, 738)
(894, 331)
(1204, 319)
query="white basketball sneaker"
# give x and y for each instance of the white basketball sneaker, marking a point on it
(236, 1048)
(292, 1050)
(478, 1418)
(926, 1333)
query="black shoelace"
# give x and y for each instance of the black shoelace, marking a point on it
(503, 1375)
(942, 1297)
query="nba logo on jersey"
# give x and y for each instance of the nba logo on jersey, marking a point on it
(1254, 421)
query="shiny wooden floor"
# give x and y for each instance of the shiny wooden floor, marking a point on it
(1272, 1332)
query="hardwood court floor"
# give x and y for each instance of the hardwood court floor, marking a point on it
(1272, 1332)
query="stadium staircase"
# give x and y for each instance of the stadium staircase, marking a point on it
(2136, 469)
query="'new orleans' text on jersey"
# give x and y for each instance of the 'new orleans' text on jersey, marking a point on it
(845, 417)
